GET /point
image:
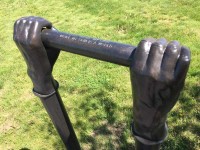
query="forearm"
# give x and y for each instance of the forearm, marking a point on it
(42, 84)
(153, 133)
(148, 138)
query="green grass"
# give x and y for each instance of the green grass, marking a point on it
(97, 95)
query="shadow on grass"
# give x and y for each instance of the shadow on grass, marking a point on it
(97, 100)
(108, 127)
(188, 104)
(185, 129)
(49, 128)
(115, 132)
(195, 73)
(57, 144)
(180, 143)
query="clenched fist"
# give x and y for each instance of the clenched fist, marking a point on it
(158, 72)
(39, 59)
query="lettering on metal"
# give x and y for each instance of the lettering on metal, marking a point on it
(91, 41)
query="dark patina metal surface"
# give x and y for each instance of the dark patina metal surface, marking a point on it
(158, 71)
(109, 51)
(40, 61)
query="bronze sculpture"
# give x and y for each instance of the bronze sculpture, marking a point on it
(40, 61)
(158, 70)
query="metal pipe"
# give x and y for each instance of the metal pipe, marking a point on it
(109, 51)
(58, 114)
(56, 110)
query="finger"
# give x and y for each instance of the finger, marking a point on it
(141, 53)
(154, 59)
(169, 59)
(34, 29)
(39, 25)
(19, 34)
(33, 36)
(15, 29)
(182, 64)
(44, 23)
(27, 29)
(18, 29)
(16, 34)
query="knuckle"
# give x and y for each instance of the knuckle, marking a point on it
(17, 22)
(145, 41)
(24, 21)
(159, 47)
(145, 45)
(172, 48)
(151, 72)
(174, 42)
(166, 76)
(157, 44)
(185, 54)
(185, 58)
(30, 22)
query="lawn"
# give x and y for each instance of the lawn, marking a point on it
(96, 94)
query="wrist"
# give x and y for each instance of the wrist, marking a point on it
(43, 85)
(150, 135)
(43, 88)
(141, 146)
(41, 95)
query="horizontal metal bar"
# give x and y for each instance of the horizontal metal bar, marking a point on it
(109, 51)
